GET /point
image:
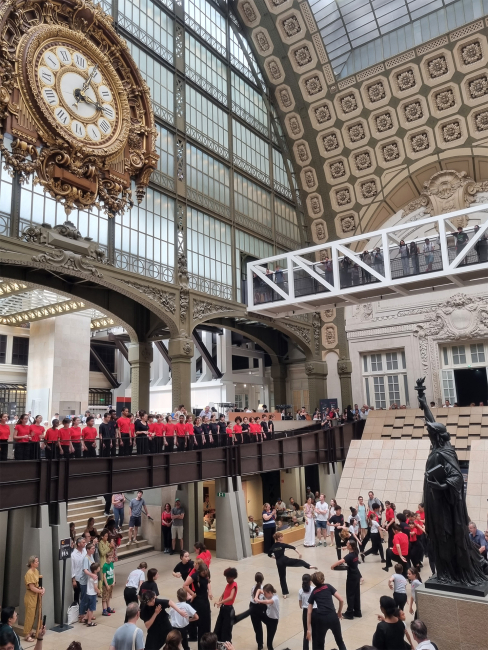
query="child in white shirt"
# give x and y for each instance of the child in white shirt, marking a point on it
(92, 591)
(399, 583)
(180, 623)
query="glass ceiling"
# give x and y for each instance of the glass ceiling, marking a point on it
(360, 33)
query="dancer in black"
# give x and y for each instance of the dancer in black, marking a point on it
(324, 617)
(206, 431)
(282, 561)
(214, 430)
(222, 432)
(337, 520)
(256, 611)
(353, 592)
(245, 430)
(197, 585)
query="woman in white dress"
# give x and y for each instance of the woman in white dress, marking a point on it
(309, 514)
(333, 504)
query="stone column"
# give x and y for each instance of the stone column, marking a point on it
(317, 382)
(278, 375)
(59, 531)
(181, 353)
(191, 497)
(233, 542)
(53, 358)
(140, 357)
(344, 368)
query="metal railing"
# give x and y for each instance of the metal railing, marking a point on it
(347, 270)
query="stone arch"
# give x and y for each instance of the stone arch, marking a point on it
(142, 306)
(304, 335)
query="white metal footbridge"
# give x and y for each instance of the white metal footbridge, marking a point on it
(403, 260)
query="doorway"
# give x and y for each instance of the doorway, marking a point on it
(312, 477)
(471, 386)
(271, 486)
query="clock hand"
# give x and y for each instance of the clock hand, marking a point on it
(90, 101)
(87, 83)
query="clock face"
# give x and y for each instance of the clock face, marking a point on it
(77, 93)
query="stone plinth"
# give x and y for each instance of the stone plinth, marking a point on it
(454, 621)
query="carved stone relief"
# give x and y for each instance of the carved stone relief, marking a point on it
(202, 308)
(329, 335)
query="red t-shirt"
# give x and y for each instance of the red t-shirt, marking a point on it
(402, 540)
(166, 516)
(180, 429)
(254, 428)
(4, 432)
(413, 534)
(132, 430)
(422, 515)
(89, 433)
(152, 429)
(52, 435)
(418, 530)
(229, 431)
(206, 556)
(389, 514)
(372, 515)
(124, 424)
(227, 591)
(64, 436)
(75, 434)
(189, 429)
(237, 428)
(158, 428)
(22, 430)
(36, 430)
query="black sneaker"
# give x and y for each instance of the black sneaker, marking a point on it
(358, 615)
(383, 561)
(348, 616)
(172, 552)
(384, 569)
(362, 557)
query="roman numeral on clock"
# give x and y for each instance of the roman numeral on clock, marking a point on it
(47, 77)
(62, 115)
(104, 125)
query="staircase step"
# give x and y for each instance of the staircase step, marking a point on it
(134, 549)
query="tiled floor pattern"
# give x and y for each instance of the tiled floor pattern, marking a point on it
(356, 633)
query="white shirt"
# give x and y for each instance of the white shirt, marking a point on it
(273, 610)
(90, 586)
(135, 578)
(322, 511)
(375, 527)
(303, 597)
(425, 645)
(77, 563)
(260, 597)
(176, 619)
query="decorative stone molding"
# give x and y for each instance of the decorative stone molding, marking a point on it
(413, 112)
(330, 142)
(302, 153)
(294, 125)
(291, 26)
(313, 86)
(437, 68)
(478, 123)
(322, 114)
(328, 314)
(309, 179)
(302, 56)
(420, 143)
(315, 206)
(336, 170)
(316, 331)
(278, 6)
(308, 17)
(406, 80)
(474, 88)
(346, 224)
(445, 100)
(164, 299)
(348, 104)
(285, 99)
(203, 308)
(357, 133)
(68, 260)
(451, 132)
(249, 12)
(319, 231)
(329, 336)
(274, 70)
(342, 197)
(376, 92)
(364, 162)
(367, 189)
(471, 53)
(263, 41)
(390, 153)
(303, 333)
(344, 366)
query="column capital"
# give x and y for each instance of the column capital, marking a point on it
(316, 369)
(344, 366)
(181, 348)
(140, 352)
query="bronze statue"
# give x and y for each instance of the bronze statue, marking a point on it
(459, 565)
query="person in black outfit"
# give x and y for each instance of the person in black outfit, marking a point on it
(214, 430)
(390, 631)
(106, 439)
(264, 427)
(156, 619)
(324, 617)
(256, 611)
(282, 561)
(481, 246)
(222, 432)
(198, 432)
(206, 432)
(353, 592)
(197, 585)
(337, 521)
(245, 431)
(141, 429)
(184, 566)
(271, 429)
(461, 238)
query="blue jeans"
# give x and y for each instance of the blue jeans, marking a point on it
(83, 600)
(119, 517)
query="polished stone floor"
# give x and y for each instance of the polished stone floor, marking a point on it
(356, 633)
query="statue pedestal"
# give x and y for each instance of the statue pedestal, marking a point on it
(481, 591)
(454, 621)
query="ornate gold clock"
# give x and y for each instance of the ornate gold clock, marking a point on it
(74, 103)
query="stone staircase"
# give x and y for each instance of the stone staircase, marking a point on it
(79, 513)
